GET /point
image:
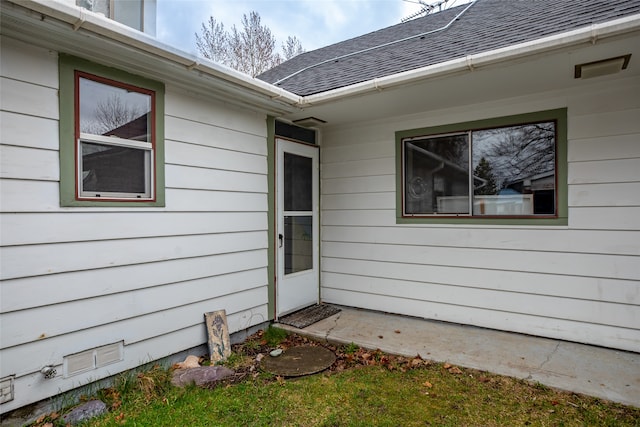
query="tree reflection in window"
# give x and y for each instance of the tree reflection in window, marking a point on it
(512, 172)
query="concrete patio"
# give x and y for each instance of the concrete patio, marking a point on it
(596, 371)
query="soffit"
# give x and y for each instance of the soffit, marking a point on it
(546, 72)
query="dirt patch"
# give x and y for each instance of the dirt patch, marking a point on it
(249, 356)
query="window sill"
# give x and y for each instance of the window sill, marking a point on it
(492, 221)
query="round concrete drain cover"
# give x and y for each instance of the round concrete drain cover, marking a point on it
(298, 361)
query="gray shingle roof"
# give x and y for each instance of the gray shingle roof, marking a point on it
(484, 26)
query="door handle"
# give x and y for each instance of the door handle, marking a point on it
(280, 237)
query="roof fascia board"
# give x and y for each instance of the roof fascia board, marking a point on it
(81, 19)
(591, 34)
(278, 98)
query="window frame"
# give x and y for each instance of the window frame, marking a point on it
(559, 116)
(71, 69)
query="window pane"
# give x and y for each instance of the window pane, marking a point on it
(108, 168)
(295, 132)
(437, 175)
(114, 111)
(129, 13)
(514, 170)
(298, 183)
(96, 6)
(298, 243)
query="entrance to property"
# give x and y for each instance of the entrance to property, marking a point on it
(297, 230)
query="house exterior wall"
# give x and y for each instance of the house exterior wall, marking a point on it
(579, 282)
(78, 278)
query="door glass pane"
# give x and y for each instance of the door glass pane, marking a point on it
(298, 181)
(298, 244)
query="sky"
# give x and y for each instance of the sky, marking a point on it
(316, 23)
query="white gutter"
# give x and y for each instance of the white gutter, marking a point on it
(79, 18)
(591, 34)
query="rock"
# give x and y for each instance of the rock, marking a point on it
(189, 362)
(200, 376)
(84, 412)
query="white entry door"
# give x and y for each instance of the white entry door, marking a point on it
(297, 231)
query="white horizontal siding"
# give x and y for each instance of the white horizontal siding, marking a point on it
(579, 282)
(139, 303)
(19, 196)
(25, 98)
(354, 201)
(221, 201)
(590, 289)
(215, 114)
(604, 171)
(35, 260)
(139, 330)
(29, 228)
(29, 163)
(605, 124)
(355, 168)
(491, 318)
(367, 184)
(29, 292)
(605, 218)
(373, 149)
(613, 194)
(372, 218)
(189, 131)
(604, 148)
(24, 62)
(198, 178)
(28, 131)
(136, 353)
(214, 158)
(581, 310)
(499, 238)
(561, 263)
(79, 278)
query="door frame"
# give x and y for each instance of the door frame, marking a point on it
(282, 145)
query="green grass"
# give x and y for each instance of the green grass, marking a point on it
(351, 348)
(274, 336)
(369, 396)
(363, 389)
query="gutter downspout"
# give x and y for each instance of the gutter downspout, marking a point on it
(591, 34)
(79, 18)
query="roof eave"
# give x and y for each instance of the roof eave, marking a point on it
(259, 94)
(591, 34)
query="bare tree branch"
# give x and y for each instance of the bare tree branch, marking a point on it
(250, 49)
(110, 114)
(292, 47)
(213, 42)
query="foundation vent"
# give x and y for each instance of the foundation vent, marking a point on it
(6, 389)
(94, 358)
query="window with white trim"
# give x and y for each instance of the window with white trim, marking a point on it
(115, 139)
